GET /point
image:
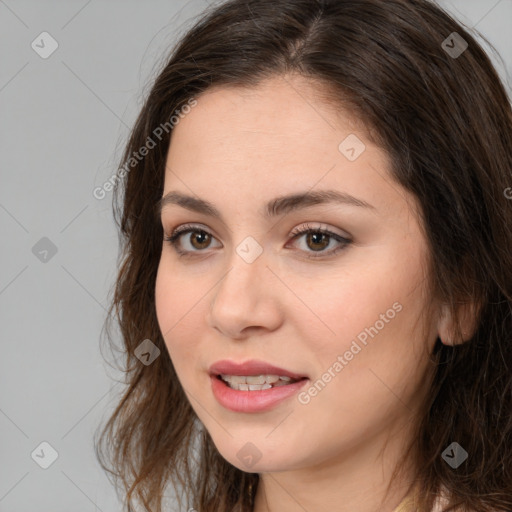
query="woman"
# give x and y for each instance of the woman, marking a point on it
(316, 281)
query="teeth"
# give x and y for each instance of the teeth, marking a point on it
(255, 379)
(255, 382)
(252, 387)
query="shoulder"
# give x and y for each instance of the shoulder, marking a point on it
(442, 501)
(409, 504)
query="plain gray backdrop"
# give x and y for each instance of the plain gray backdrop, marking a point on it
(64, 119)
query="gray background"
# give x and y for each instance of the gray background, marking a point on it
(64, 120)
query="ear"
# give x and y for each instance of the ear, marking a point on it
(446, 327)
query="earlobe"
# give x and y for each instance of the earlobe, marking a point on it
(447, 328)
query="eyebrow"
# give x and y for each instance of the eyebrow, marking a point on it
(275, 207)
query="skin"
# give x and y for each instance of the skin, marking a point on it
(239, 148)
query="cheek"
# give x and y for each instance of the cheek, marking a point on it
(164, 300)
(343, 305)
(177, 308)
(370, 316)
(177, 297)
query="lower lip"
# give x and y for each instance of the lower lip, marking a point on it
(252, 401)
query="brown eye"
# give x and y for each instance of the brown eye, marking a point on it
(318, 241)
(190, 245)
(203, 239)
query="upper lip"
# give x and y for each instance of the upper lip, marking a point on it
(252, 367)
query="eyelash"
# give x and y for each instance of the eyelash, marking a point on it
(296, 233)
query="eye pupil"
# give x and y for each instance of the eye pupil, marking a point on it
(201, 234)
(318, 238)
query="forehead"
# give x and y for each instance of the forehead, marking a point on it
(286, 106)
(246, 145)
(282, 122)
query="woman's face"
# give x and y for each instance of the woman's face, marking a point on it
(346, 315)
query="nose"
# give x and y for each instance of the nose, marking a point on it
(245, 301)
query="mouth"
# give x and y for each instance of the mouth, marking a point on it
(253, 375)
(257, 382)
(253, 386)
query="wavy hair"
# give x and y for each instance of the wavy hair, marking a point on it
(445, 121)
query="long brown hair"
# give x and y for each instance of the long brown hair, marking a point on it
(446, 122)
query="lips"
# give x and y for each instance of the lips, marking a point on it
(253, 367)
(231, 388)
